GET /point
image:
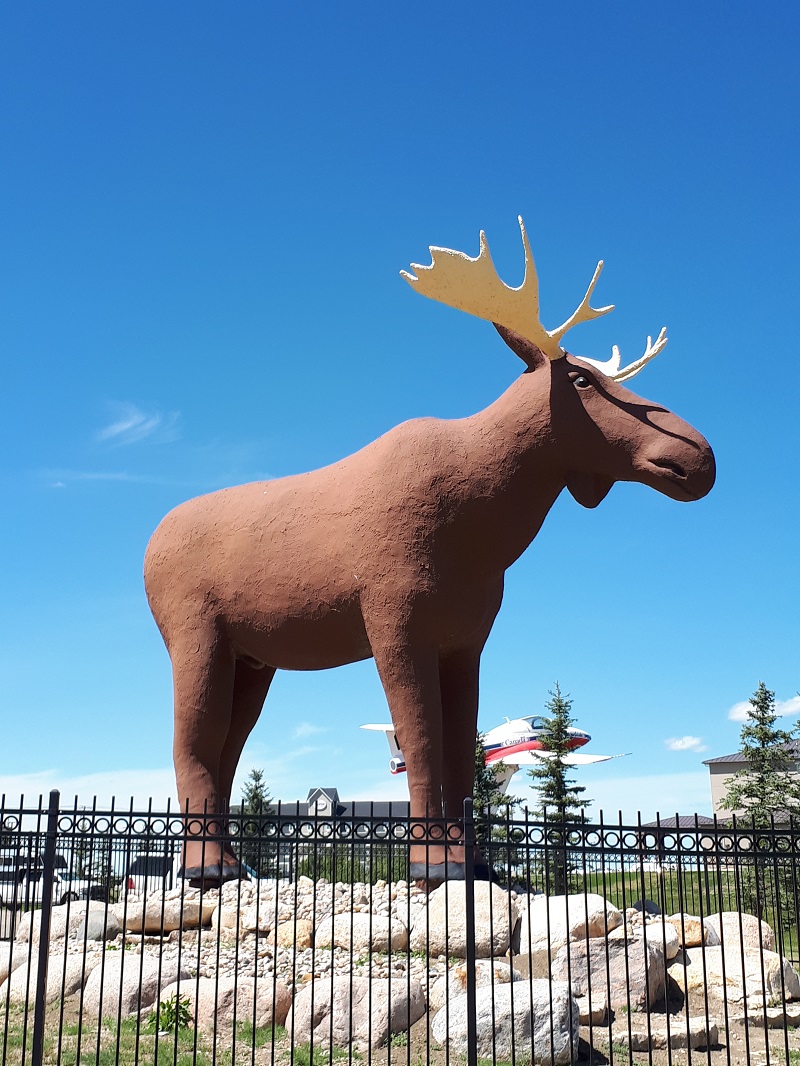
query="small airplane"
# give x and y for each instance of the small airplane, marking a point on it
(511, 746)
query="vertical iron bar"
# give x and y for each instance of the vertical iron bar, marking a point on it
(40, 1004)
(469, 899)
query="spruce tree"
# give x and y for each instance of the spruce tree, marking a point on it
(560, 799)
(765, 791)
(255, 800)
(492, 808)
(561, 802)
(767, 787)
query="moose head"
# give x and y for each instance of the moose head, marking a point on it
(398, 552)
(607, 446)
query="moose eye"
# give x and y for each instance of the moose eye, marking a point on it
(580, 382)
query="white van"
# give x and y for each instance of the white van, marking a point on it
(22, 887)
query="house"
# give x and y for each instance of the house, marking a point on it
(722, 769)
(325, 803)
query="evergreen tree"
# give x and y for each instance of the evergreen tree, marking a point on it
(561, 801)
(492, 809)
(487, 795)
(255, 801)
(765, 791)
(767, 787)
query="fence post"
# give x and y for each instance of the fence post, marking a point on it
(469, 901)
(40, 1002)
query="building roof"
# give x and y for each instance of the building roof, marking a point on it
(341, 808)
(793, 748)
(684, 821)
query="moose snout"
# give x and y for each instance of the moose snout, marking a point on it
(682, 467)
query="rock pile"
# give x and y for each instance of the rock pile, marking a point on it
(360, 963)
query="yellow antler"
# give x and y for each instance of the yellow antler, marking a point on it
(473, 285)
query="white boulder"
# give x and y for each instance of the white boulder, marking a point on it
(125, 983)
(488, 972)
(361, 933)
(216, 1004)
(759, 976)
(549, 922)
(354, 1010)
(441, 927)
(533, 1022)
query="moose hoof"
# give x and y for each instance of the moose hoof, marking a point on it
(451, 871)
(211, 876)
(438, 871)
(483, 872)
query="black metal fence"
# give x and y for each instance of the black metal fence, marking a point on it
(597, 943)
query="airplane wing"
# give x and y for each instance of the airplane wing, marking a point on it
(575, 758)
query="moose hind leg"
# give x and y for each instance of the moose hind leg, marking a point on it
(203, 676)
(250, 687)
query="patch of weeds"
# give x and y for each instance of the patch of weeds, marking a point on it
(399, 1040)
(322, 1056)
(258, 1036)
(171, 1014)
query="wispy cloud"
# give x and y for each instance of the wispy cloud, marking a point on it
(130, 425)
(307, 729)
(687, 743)
(123, 785)
(783, 708)
(62, 478)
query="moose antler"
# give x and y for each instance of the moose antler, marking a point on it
(611, 367)
(473, 285)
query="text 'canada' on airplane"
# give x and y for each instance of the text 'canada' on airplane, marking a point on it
(514, 744)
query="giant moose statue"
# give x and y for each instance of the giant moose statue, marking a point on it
(398, 552)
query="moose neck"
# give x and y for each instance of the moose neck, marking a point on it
(514, 470)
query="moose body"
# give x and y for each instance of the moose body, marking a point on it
(396, 552)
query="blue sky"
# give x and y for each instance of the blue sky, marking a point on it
(205, 209)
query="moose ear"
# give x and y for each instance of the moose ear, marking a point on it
(528, 352)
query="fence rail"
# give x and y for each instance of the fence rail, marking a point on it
(597, 942)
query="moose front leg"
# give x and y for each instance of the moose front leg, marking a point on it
(409, 673)
(458, 674)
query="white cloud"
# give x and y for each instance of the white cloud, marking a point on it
(687, 743)
(130, 425)
(138, 785)
(307, 729)
(783, 708)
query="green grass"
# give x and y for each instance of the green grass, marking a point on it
(322, 1056)
(252, 1036)
(128, 1044)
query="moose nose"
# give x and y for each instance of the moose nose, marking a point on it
(683, 465)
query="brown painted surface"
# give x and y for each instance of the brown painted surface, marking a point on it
(397, 552)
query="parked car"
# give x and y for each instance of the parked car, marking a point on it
(149, 873)
(22, 887)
